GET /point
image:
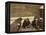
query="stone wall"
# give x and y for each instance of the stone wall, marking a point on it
(22, 10)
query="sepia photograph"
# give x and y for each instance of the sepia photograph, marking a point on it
(25, 17)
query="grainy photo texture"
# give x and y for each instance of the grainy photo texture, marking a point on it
(25, 17)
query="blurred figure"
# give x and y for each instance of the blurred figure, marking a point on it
(18, 23)
(35, 23)
(41, 23)
(26, 23)
(15, 26)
